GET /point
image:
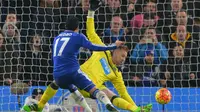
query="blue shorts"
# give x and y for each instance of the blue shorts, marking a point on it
(76, 79)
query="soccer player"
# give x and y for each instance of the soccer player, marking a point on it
(35, 97)
(102, 67)
(67, 73)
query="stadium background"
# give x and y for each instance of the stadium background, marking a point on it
(25, 52)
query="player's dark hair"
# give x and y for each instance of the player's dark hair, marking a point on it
(72, 23)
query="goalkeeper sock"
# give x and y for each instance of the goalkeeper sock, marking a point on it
(78, 97)
(48, 94)
(123, 104)
(101, 96)
(90, 14)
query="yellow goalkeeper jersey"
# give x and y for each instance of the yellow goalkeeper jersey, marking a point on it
(100, 68)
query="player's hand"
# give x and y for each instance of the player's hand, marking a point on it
(119, 43)
(95, 4)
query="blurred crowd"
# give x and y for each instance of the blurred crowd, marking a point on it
(162, 35)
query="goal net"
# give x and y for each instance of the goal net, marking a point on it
(162, 37)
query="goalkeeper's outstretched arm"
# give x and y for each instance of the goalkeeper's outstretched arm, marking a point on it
(90, 28)
(91, 33)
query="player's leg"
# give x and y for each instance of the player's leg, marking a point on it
(85, 93)
(78, 98)
(101, 96)
(118, 101)
(146, 108)
(66, 82)
(48, 94)
(122, 103)
(63, 82)
(84, 83)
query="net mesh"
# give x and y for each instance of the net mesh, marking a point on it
(162, 35)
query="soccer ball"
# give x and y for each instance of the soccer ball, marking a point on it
(163, 96)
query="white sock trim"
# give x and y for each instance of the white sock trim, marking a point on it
(79, 99)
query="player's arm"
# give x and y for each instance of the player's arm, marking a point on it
(87, 44)
(121, 88)
(90, 29)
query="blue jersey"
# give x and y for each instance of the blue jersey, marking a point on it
(65, 51)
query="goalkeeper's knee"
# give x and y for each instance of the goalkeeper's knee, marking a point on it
(54, 86)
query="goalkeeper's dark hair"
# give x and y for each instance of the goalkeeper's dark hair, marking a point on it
(72, 23)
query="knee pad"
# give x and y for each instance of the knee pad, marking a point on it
(113, 98)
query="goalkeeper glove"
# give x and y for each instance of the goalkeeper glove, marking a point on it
(95, 4)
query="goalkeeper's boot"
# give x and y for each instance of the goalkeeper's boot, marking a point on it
(146, 108)
(95, 4)
(30, 108)
(111, 108)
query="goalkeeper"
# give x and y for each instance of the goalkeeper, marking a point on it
(102, 67)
